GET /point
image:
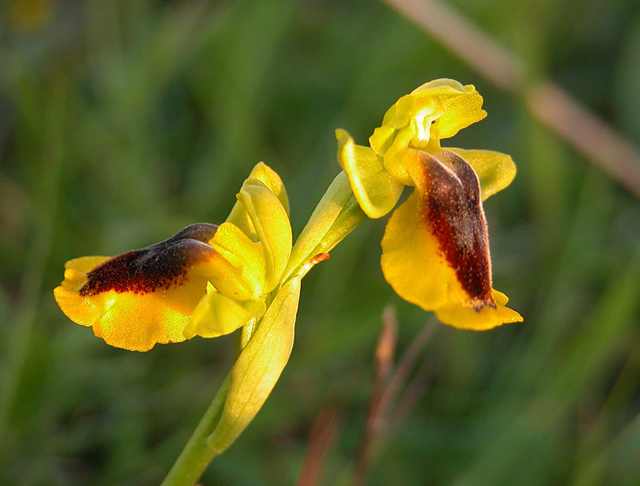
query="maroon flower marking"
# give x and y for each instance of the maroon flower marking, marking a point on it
(162, 265)
(452, 207)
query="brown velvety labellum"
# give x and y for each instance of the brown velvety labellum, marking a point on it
(452, 207)
(157, 266)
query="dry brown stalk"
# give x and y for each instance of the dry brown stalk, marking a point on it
(375, 417)
(323, 433)
(387, 388)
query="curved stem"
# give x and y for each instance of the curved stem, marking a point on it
(197, 454)
(345, 222)
(337, 214)
(321, 220)
(348, 219)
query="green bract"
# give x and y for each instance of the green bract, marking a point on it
(258, 367)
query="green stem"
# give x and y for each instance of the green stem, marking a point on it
(321, 220)
(197, 454)
(348, 219)
(337, 214)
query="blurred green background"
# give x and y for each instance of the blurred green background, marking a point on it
(123, 121)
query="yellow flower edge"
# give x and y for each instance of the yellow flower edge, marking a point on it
(127, 320)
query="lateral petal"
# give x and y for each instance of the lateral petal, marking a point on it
(494, 169)
(375, 189)
(240, 274)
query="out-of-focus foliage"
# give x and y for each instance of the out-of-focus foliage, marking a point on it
(122, 122)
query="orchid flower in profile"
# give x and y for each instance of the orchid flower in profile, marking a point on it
(206, 280)
(435, 249)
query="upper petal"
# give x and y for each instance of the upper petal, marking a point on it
(435, 110)
(271, 223)
(375, 189)
(270, 179)
(462, 105)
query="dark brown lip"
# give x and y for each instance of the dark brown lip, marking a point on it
(452, 207)
(161, 265)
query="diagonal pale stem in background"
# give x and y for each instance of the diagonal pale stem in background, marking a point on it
(547, 102)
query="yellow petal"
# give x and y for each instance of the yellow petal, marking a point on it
(272, 227)
(138, 322)
(75, 270)
(494, 169)
(463, 105)
(398, 115)
(85, 264)
(217, 315)
(240, 274)
(394, 157)
(134, 321)
(82, 311)
(269, 178)
(440, 87)
(382, 138)
(411, 261)
(375, 189)
(465, 317)
(435, 110)
(272, 180)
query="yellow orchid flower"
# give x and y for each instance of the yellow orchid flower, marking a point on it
(206, 280)
(435, 250)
